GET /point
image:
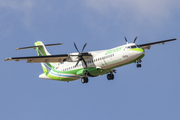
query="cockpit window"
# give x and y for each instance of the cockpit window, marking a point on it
(131, 47)
(134, 46)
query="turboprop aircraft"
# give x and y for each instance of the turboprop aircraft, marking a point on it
(81, 65)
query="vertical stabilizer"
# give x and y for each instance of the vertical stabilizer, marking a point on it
(42, 51)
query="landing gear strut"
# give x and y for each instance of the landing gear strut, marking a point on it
(138, 63)
(84, 80)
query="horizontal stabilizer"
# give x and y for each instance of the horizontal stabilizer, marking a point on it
(38, 46)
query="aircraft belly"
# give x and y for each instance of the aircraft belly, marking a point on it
(99, 72)
(122, 61)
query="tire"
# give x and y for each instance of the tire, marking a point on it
(86, 80)
(109, 76)
(112, 77)
(83, 80)
(138, 65)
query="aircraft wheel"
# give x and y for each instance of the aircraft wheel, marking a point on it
(109, 76)
(112, 77)
(84, 80)
(138, 65)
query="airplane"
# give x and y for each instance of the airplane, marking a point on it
(82, 65)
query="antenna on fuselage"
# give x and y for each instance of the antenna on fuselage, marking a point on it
(126, 40)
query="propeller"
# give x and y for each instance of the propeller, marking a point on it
(135, 39)
(126, 40)
(133, 42)
(81, 54)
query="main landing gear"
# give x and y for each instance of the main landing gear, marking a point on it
(138, 63)
(111, 75)
(84, 80)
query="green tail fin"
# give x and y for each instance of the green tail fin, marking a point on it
(42, 51)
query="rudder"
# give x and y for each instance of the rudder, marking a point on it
(42, 51)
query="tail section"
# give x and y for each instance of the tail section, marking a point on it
(42, 51)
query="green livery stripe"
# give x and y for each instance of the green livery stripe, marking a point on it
(137, 49)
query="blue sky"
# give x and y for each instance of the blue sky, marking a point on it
(151, 92)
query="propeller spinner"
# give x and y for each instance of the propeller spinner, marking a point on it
(80, 55)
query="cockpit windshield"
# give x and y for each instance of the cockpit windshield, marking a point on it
(134, 46)
(131, 47)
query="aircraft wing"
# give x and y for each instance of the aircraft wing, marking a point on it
(39, 59)
(148, 45)
(51, 58)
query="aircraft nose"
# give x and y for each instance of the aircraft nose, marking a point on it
(141, 50)
(137, 51)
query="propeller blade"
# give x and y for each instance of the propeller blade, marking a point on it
(77, 63)
(126, 40)
(83, 47)
(84, 62)
(76, 47)
(80, 55)
(135, 39)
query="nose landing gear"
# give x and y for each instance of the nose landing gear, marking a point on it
(138, 63)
